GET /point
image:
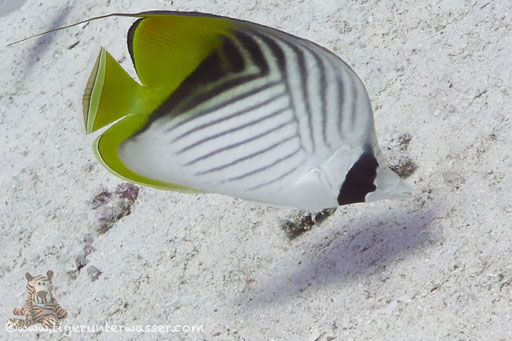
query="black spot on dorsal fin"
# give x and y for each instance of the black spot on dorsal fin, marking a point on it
(359, 179)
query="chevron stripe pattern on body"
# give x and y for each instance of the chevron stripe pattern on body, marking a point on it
(256, 113)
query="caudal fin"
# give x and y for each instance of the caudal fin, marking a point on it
(111, 94)
(165, 49)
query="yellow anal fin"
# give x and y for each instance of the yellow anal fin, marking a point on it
(106, 147)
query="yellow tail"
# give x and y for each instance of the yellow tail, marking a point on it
(111, 94)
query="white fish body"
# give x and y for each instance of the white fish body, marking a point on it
(267, 117)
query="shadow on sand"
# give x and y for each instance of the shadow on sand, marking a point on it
(42, 43)
(347, 257)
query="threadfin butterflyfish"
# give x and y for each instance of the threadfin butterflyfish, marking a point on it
(236, 108)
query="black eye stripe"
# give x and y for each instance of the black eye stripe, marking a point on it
(359, 179)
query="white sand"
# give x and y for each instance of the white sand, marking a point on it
(437, 266)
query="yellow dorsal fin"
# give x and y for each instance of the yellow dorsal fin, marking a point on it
(167, 47)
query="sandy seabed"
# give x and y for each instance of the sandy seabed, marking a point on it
(433, 267)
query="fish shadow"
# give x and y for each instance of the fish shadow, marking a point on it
(348, 257)
(42, 43)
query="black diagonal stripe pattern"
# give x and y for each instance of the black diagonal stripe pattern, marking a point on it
(250, 156)
(276, 57)
(231, 130)
(300, 94)
(240, 143)
(257, 59)
(225, 118)
(219, 107)
(266, 167)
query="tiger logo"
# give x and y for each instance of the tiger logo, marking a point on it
(40, 305)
